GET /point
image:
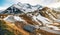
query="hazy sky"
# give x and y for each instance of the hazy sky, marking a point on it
(50, 3)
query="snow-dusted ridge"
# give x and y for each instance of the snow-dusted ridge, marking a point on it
(25, 7)
(21, 7)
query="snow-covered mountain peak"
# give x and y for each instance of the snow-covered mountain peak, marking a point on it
(25, 7)
(21, 7)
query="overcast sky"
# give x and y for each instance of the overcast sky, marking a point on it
(50, 3)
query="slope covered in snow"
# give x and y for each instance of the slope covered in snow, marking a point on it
(12, 18)
(20, 8)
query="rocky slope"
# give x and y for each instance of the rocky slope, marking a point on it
(31, 20)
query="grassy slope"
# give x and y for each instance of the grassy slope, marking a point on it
(7, 28)
(3, 29)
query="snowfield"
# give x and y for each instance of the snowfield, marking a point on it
(12, 18)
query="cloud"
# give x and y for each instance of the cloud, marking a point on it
(34, 2)
(3, 8)
(54, 5)
(48, 3)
